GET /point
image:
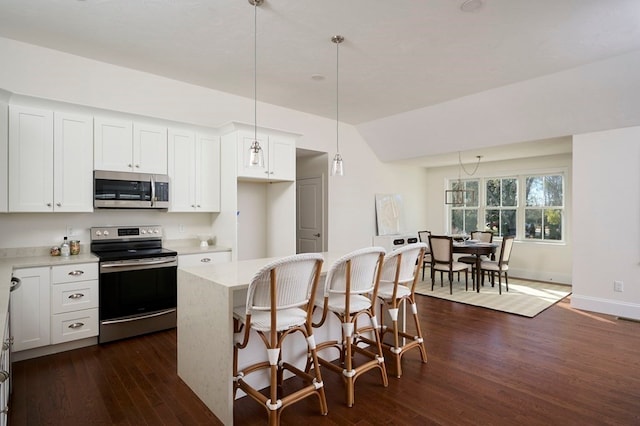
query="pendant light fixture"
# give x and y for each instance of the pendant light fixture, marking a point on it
(337, 166)
(458, 195)
(256, 155)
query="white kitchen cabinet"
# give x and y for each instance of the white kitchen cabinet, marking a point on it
(127, 146)
(50, 164)
(72, 162)
(74, 302)
(209, 258)
(279, 156)
(30, 309)
(194, 168)
(30, 159)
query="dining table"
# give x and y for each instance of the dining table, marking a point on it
(478, 249)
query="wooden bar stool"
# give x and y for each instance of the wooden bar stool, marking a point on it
(280, 303)
(349, 293)
(397, 286)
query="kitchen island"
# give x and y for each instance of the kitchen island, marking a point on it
(206, 297)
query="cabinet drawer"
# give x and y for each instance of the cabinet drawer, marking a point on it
(204, 258)
(74, 325)
(77, 272)
(67, 297)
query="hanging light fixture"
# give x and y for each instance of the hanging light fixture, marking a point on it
(337, 166)
(459, 195)
(256, 155)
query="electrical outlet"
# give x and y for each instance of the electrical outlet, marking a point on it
(181, 228)
(618, 286)
(70, 231)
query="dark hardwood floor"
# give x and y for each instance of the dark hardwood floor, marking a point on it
(564, 367)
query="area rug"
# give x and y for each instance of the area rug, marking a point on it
(525, 298)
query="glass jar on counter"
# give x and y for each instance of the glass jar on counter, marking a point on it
(74, 247)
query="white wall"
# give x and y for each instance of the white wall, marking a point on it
(606, 217)
(45, 73)
(532, 260)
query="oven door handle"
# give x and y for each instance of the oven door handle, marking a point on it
(136, 318)
(134, 264)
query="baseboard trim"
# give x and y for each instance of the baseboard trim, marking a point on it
(606, 306)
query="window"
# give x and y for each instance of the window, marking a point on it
(501, 206)
(464, 216)
(544, 207)
(535, 213)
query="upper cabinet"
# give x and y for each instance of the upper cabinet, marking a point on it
(279, 152)
(194, 168)
(125, 146)
(49, 161)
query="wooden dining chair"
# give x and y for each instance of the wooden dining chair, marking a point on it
(397, 288)
(280, 303)
(442, 261)
(350, 290)
(426, 261)
(501, 266)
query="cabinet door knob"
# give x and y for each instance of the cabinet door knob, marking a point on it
(130, 165)
(137, 166)
(48, 204)
(193, 205)
(59, 204)
(198, 205)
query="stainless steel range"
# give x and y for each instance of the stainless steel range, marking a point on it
(138, 281)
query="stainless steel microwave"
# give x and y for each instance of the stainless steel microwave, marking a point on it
(125, 190)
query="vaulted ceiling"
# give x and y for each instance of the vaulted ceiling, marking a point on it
(398, 55)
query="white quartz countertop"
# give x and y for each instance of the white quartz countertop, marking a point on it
(193, 248)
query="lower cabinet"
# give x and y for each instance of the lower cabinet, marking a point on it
(204, 258)
(54, 305)
(74, 302)
(31, 309)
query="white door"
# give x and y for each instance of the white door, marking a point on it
(309, 230)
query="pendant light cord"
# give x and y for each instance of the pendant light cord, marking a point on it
(465, 170)
(337, 97)
(255, 71)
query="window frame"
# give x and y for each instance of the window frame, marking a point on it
(521, 203)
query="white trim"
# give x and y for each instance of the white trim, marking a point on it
(606, 306)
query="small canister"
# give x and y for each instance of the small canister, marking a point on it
(55, 251)
(75, 247)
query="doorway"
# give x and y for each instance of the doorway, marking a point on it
(311, 201)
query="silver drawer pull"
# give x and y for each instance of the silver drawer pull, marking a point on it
(76, 273)
(76, 296)
(205, 260)
(3, 376)
(76, 325)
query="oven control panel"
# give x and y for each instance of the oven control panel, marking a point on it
(102, 233)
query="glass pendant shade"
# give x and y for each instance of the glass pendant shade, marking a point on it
(337, 167)
(256, 155)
